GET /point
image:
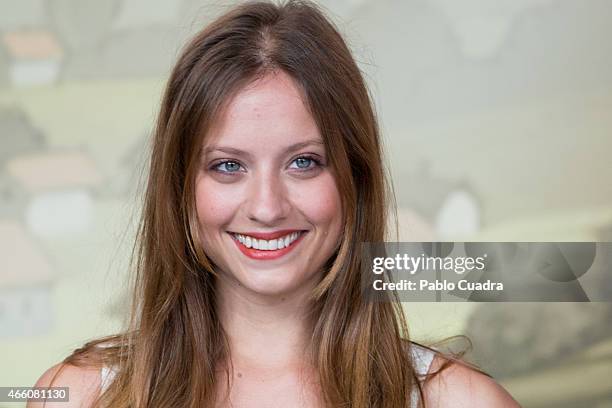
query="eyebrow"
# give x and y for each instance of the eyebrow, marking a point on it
(238, 152)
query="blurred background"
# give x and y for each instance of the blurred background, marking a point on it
(497, 120)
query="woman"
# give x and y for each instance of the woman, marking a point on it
(265, 176)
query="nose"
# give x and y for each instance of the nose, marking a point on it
(268, 202)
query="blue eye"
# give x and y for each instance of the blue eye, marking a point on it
(227, 167)
(304, 163)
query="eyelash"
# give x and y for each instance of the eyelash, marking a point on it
(317, 163)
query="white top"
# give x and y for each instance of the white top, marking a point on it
(106, 377)
(421, 357)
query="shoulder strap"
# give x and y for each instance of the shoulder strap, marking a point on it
(422, 358)
(106, 377)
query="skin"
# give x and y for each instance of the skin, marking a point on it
(262, 304)
(262, 188)
(268, 186)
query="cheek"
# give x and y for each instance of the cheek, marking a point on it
(214, 205)
(320, 202)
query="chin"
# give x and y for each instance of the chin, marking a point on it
(273, 283)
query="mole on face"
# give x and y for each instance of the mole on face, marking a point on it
(239, 375)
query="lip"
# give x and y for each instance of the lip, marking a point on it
(268, 255)
(268, 235)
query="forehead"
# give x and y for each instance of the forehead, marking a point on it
(270, 110)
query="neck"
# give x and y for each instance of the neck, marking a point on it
(264, 331)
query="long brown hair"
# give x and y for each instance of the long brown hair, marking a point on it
(168, 355)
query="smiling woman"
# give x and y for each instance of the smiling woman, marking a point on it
(266, 191)
(266, 175)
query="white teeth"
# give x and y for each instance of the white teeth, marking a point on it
(265, 245)
(272, 245)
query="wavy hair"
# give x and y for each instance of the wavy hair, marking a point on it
(168, 355)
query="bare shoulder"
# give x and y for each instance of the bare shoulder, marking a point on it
(459, 386)
(83, 385)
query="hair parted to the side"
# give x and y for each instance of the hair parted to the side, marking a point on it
(169, 354)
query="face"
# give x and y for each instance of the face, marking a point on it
(268, 207)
